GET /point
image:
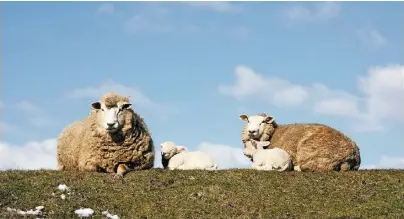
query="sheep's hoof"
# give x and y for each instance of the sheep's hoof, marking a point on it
(118, 176)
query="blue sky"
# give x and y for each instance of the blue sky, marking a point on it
(192, 67)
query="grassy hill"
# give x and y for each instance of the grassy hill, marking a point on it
(240, 193)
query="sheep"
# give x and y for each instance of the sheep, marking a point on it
(112, 134)
(178, 157)
(313, 147)
(268, 159)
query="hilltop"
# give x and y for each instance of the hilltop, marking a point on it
(239, 193)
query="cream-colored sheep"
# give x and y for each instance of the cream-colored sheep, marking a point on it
(178, 157)
(112, 134)
(268, 159)
(313, 147)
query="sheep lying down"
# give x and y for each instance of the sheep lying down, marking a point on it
(268, 159)
(178, 157)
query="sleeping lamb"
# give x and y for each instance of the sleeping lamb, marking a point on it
(178, 157)
(268, 159)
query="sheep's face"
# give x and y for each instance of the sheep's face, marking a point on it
(111, 118)
(256, 123)
(169, 149)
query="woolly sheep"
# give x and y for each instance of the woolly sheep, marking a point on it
(178, 157)
(313, 147)
(268, 159)
(112, 134)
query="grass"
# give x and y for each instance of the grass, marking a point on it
(239, 193)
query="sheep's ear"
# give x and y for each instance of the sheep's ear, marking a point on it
(263, 143)
(269, 119)
(244, 117)
(96, 105)
(126, 105)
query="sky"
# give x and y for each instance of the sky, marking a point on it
(191, 68)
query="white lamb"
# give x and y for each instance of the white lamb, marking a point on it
(178, 157)
(268, 159)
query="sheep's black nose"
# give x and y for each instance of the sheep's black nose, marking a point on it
(251, 131)
(111, 124)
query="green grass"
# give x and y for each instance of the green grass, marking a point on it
(240, 193)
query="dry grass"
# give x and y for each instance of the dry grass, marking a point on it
(240, 193)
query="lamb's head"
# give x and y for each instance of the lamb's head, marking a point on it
(252, 146)
(169, 149)
(256, 124)
(111, 111)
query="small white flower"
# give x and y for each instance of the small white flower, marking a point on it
(63, 187)
(84, 212)
(40, 208)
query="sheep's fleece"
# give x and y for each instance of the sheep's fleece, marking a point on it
(269, 159)
(313, 147)
(94, 144)
(178, 157)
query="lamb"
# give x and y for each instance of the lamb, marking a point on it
(112, 134)
(178, 157)
(268, 159)
(312, 147)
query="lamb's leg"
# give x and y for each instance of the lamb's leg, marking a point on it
(284, 168)
(253, 166)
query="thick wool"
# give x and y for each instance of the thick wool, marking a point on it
(84, 146)
(313, 147)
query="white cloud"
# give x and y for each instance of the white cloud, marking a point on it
(106, 8)
(216, 6)
(382, 95)
(30, 156)
(147, 24)
(7, 128)
(274, 90)
(387, 162)
(137, 98)
(156, 19)
(338, 107)
(225, 156)
(27, 106)
(37, 117)
(42, 121)
(369, 36)
(320, 12)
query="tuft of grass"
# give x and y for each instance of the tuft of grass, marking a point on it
(238, 193)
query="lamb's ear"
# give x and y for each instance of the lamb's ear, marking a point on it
(126, 105)
(244, 117)
(263, 143)
(181, 149)
(96, 105)
(269, 119)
